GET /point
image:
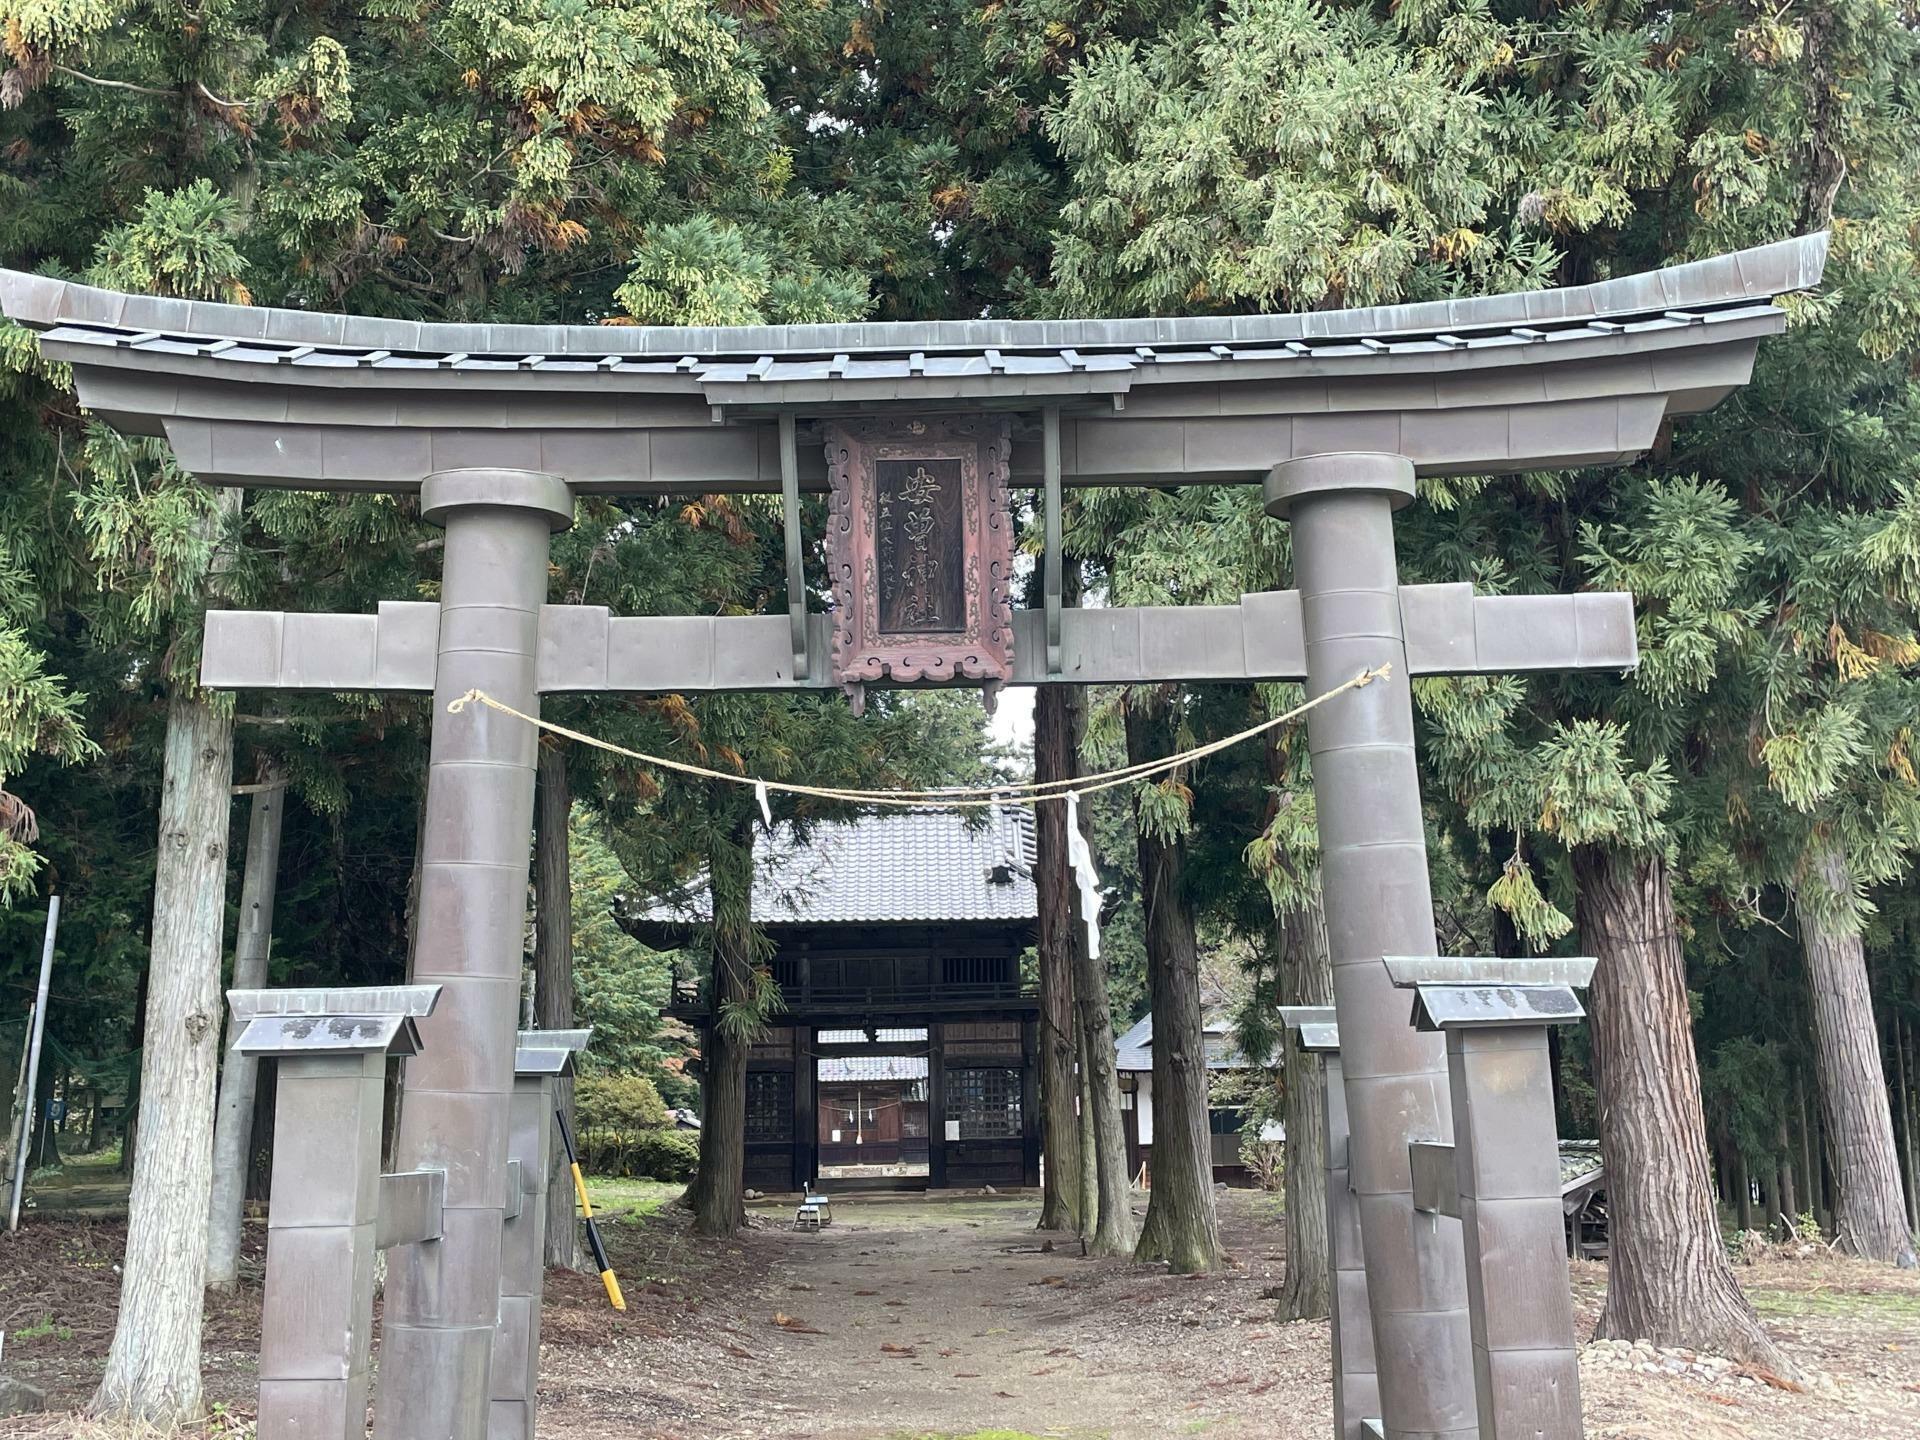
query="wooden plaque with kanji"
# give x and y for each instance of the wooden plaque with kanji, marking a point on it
(920, 548)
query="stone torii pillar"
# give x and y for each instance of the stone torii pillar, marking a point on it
(1378, 903)
(443, 1303)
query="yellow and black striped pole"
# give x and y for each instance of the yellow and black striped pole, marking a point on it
(614, 1296)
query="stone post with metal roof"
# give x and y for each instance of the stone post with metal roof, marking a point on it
(1356, 1386)
(1500, 1178)
(332, 1208)
(540, 1058)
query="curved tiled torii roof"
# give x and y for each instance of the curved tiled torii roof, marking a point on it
(258, 396)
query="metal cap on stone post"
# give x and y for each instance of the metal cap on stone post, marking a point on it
(540, 1058)
(1501, 1178)
(322, 1221)
(1356, 1388)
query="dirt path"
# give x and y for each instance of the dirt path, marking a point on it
(912, 1319)
(949, 1318)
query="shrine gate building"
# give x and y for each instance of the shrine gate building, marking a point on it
(906, 1056)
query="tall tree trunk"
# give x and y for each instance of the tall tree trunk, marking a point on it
(1668, 1276)
(718, 1192)
(1870, 1217)
(1822, 156)
(1306, 978)
(413, 875)
(1103, 1133)
(130, 1114)
(1113, 1228)
(553, 977)
(1114, 1232)
(1789, 1191)
(1053, 879)
(153, 1366)
(1768, 1179)
(1901, 1035)
(1089, 1177)
(1822, 1160)
(1913, 1136)
(1810, 1172)
(239, 1074)
(1182, 1227)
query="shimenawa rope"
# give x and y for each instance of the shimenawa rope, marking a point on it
(957, 797)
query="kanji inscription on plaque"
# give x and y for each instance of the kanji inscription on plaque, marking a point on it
(920, 548)
(917, 536)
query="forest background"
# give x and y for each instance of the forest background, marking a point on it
(1749, 799)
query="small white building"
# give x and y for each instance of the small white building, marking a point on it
(1134, 1061)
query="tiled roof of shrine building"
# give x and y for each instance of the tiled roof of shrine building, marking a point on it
(900, 867)
(1134, 1047)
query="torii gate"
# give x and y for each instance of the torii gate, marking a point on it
(498, 428)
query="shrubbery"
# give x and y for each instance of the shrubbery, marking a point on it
(641, 1154)
(619, 1102)
(1265, 1159)
(625, 1129)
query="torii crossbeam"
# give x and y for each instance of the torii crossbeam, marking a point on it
(498, 428)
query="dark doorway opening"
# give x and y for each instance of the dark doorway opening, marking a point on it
(873, 1113)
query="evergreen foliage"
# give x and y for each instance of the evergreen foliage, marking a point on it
(680, 164)
(620, 986)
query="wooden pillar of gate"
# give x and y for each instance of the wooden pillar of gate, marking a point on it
(936, 1106)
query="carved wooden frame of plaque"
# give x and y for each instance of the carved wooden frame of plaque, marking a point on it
(978, 644)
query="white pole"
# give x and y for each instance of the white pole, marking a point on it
(33, 1063)
(19, 1095)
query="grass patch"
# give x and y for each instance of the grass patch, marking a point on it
(43, 1329)
(624, 1199)
(1893, 1305)
(89, 1182)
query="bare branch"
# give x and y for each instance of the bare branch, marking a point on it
(215, 99)
(69, 71)
(107, 84)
